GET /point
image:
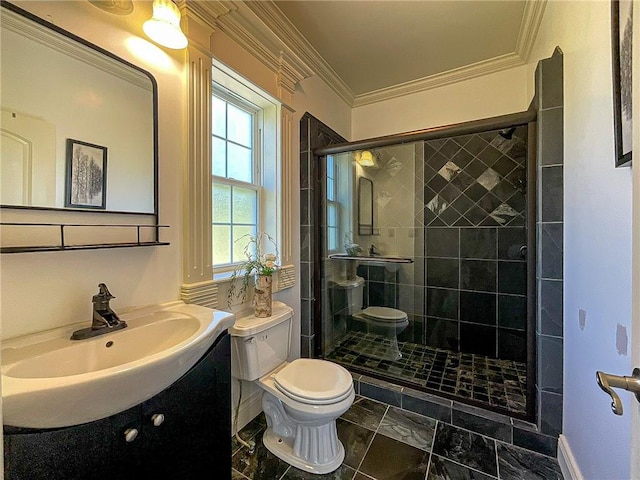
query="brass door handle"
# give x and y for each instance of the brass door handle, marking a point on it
(608, 382)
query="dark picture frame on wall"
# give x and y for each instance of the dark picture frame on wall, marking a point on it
(621, 43)
(86, 180)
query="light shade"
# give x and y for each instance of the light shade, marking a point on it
(366, 159)
(164, 25)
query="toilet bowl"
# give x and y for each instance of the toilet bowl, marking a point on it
(301, 399)
(382, 321)
(386, 322)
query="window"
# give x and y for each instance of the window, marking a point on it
(333, 206)
(235, 176)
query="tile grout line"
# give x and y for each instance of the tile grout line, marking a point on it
(289, 467)
(495, 447)
(373, 437)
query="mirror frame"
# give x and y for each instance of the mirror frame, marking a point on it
(365, 228)
(154, 86)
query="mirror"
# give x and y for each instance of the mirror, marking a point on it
(78, 124)
(365, 206)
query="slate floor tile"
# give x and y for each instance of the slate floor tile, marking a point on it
(262, 464)
(408, 427)
(466, 448)
(443, 469)
(342, 473)
(355, 439)
(388, 459)
(519, 464)
(366, 413)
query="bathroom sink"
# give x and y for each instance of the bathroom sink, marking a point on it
(50, 381)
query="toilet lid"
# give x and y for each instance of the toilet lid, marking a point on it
(384, 313)
(314, 381)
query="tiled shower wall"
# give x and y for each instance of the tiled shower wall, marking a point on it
(475, 243)
(549, 329)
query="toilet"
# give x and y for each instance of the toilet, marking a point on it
(383, 321)
(301, 399)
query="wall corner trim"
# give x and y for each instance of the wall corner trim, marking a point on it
(568, 465)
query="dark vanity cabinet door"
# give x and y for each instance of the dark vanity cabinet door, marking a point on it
(192, 442)
(82, 452)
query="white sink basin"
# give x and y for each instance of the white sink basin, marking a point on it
(50, 381)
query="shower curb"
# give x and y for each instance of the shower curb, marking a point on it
(499, 427)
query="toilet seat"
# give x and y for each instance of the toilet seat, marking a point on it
(383, 315)
(313, 381)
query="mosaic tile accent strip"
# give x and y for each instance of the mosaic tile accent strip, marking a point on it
(495, 382)
(476, 180)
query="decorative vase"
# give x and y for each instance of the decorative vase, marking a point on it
(352, 268)
(262, 296)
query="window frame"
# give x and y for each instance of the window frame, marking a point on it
(333, 202)
(256, 112)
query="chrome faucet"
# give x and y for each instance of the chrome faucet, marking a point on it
(104, 319)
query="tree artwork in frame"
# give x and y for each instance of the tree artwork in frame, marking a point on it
(621, 43)
(86, 185)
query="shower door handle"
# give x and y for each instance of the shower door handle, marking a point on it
(608, 382)
(523, 251)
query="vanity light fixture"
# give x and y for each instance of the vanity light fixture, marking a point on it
(164, 26)
(366, 159)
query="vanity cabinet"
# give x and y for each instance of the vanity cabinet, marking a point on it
(183, 433)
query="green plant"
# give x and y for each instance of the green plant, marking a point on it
(256, 263)
(351, 248)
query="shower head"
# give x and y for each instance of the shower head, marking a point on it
(507, 133)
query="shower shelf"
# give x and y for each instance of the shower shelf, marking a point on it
(380, 259)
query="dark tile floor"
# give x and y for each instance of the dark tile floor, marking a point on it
(498, 383)
(386, 443)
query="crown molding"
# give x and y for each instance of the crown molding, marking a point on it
(531, 19)
(205, 12)
(246, 28)
(467, 72)
(268, 34)
(271, 16)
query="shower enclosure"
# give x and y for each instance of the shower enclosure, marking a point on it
(438, 226)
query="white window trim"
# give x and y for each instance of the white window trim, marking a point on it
(274, 170)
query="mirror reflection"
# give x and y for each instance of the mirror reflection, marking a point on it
(365, 206)
(78, 125)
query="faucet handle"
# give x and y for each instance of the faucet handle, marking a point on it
(104, 291)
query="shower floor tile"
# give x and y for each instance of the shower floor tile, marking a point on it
(495, 382)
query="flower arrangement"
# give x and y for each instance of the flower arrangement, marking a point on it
(256, 264)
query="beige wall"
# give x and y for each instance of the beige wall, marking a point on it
(483, 97)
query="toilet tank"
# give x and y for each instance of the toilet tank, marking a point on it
(259, 345)
(353, 293)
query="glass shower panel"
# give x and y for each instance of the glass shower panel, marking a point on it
(456, 207)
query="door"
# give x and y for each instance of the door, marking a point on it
(635, 326)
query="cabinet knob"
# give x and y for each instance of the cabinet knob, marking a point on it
(130, 434)
(157, 419)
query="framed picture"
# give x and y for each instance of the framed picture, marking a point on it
(86, 185)
(621, 39)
